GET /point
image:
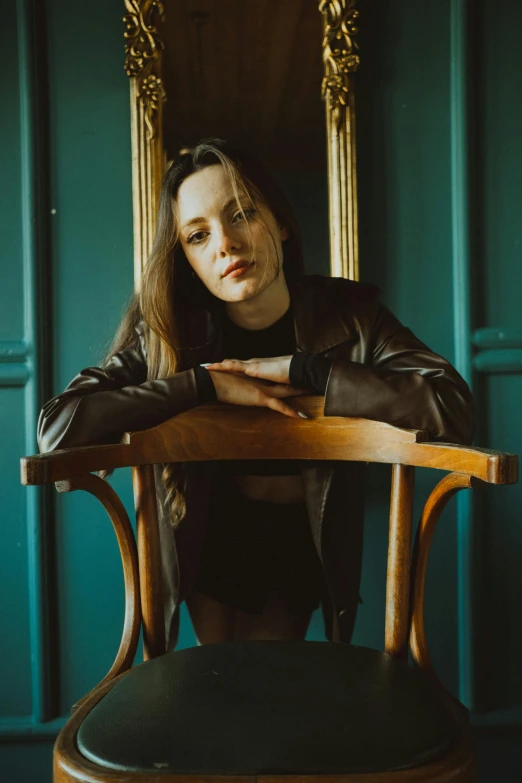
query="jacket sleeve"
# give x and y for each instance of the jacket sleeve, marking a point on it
(404, 384)
(101, 403)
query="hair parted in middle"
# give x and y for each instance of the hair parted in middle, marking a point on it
(170, 294)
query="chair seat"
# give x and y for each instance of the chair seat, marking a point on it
(247, 708)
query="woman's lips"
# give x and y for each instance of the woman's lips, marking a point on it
(238, 269)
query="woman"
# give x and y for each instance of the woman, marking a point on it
(225, 313)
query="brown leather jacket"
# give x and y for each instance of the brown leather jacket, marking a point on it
(380, 371)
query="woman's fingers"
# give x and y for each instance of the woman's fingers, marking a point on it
(274, 369)
(282, 390)
(235, 389)
(251, 369)
(278, 405)
(228, 365)
(273, 400)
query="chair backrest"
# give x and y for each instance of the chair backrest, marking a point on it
(221, 432)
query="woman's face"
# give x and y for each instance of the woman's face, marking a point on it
(237, 257)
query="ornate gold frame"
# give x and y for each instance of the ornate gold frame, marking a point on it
(143, 65)
(340, 63)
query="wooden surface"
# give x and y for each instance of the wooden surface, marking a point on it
(219, 431)
(247, 72)
(399, 555)
(124, 533)
(149, 561)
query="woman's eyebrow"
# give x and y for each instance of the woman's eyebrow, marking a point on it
(195, 220)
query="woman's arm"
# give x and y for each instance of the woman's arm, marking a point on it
(400, 380)
(101, 403)
(406, 384)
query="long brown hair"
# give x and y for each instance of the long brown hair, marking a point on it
(170, 295)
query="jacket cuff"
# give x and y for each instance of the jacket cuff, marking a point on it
(348, 392)
(403, 399)
(205, 385)
(310, 371)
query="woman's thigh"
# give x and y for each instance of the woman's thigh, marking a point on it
(216, 622)
(276, 621)
(212, 621)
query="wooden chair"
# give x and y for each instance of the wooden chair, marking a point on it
(268, 710)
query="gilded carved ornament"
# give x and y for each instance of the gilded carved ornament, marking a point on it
(339, 49)
(143, 52)
(341, 60)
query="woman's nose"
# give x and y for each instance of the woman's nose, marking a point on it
(227, 242)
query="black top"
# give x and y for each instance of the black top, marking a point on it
(276, 340)
(307, 371)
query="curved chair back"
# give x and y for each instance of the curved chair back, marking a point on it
(221, 432)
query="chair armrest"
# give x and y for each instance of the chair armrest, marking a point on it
(435, 505)
(129, 556)
(63, 464)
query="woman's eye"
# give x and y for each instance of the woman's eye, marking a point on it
(196, 238)
(246, 212)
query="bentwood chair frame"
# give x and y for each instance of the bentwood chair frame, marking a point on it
(218, 432)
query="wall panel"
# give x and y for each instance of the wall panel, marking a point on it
(11, 290)
(498, 340)
(500, 629)
(404, 169)
(499, 161)
(15, 651)
(15, 689)
(92, 280)
(66, 225)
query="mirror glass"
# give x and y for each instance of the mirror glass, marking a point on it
(251, 72)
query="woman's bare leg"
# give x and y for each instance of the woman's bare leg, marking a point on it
(275, 622)
(213, 621)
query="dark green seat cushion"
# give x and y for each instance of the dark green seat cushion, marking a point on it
(248, 708)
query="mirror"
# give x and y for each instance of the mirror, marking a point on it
(247, 72)
(254, 74)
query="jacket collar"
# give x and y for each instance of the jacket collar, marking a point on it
(319, 321)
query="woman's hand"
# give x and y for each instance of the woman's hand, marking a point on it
(276, 369)
(238, 390)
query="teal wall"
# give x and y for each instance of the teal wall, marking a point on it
(440, 175)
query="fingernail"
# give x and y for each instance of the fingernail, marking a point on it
(303, 415)
(207, 364)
